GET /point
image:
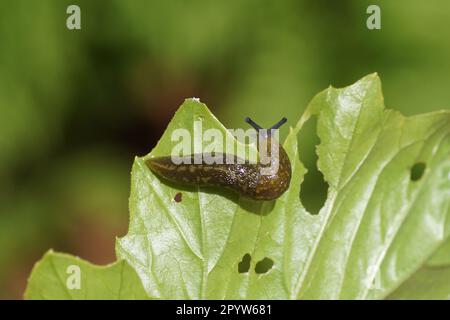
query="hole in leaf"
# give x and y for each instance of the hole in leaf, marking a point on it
(417, 171)
(178, 197)
(244, 265)
(314, 188)
(264, 265)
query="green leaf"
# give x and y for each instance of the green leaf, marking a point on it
(429, 283)
(379, 227)
(54, 277)
(376, 229)
(381, 233)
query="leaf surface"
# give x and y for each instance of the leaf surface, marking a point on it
(382, 232)
(376, 229)
(61, 276)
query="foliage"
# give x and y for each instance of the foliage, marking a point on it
(380, 229)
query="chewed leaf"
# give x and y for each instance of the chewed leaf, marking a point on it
(372, 233)
(379, 226)
(383, 232)
(61, 276)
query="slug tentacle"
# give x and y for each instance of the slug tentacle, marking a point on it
(279, 123)
(241, 176)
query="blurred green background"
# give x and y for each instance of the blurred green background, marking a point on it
(77, 106)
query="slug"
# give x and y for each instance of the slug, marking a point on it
(242, 177)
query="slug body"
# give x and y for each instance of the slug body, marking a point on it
(243, 177)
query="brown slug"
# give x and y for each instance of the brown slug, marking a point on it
(241, 176)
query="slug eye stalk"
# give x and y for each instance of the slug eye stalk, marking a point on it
(258, 127)
(264, 132)
(253, 124)
(279, 123)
